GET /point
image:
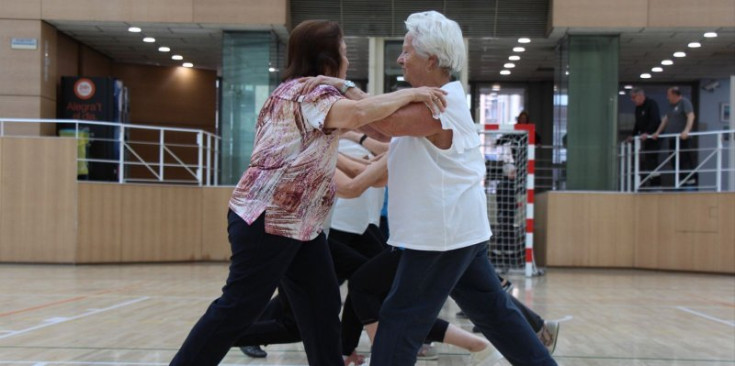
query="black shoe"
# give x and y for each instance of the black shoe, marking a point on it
(254, 351)
(461, 314)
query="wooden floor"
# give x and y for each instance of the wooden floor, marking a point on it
(139, 315)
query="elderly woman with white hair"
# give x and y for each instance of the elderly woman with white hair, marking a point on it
(437, 212)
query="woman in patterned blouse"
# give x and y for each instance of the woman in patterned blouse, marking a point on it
(282, 200)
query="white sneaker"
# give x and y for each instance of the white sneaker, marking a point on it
(487, 357)
(549, 334)
(427, 352)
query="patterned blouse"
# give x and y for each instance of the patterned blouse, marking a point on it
(291, 171)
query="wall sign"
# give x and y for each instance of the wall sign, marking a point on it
(24, 43)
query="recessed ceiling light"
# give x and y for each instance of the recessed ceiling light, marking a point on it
(514, 58)
(149, 39)
(272, 69)
(134, 30)
(710, 35)
(622, 92)
(667, 62)
(519, 49)
(628, 87)
(509, 65)
(645, 76)
(680, 54)
(504, 72)
(164, 49)
(524, 40)
(177, 57)
(694, 45)
(400, 78)
(657, 69)
(188, 64)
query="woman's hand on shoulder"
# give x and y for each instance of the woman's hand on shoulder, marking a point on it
(434, 98)
(311, 82)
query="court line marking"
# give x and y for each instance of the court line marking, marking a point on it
(102, 292)
(703, 315)
(64, 320)
(118, 363)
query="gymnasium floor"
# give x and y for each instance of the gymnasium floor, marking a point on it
(139, 315)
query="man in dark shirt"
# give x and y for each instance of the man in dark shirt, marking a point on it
(647, 122)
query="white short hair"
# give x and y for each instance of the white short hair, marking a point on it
(434, 34)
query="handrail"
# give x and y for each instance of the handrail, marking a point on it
(204, 169)
(633, 178)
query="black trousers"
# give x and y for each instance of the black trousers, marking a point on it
(686, 159)
(260, 262)
(649, 161)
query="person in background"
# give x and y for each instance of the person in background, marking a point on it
(680, 119)
(647, 122)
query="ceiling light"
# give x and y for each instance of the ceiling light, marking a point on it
(645, 76)
(622, 92)
(694, 45)
(514, 58)
(272, 69)
(496, 87)
(518, 49)
(509, 65)
(710, 35)
(667, 62)
(149, 39)
(138, 30)
(188, 64)
(164, 49)
(628, 87)
(504, 72)
(524, 40)
(680, 54)
(400, 78)
(657, 69)
(177, 57)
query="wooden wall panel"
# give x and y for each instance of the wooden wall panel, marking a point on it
(170, 96)
(687, 13)
(181, 238)
(39, 204)
(249, 12)
(142, 217)
(93, 63)
(599, 13)
(48, 61)
(119, 10)
(540, 212)
(19, 106)
(100, 223)
(647, 222)
(215, 244)
(26, 9)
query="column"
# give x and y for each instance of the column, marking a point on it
(250, 71)
(590, 79)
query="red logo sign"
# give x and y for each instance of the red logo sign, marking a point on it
(84, 89)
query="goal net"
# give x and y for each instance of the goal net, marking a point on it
(509, 162)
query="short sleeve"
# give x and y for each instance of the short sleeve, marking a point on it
(687, 105)
(316, 104)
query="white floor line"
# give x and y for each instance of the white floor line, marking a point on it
(114, 363)
(564, 319)
(703, 315)
(64, 320)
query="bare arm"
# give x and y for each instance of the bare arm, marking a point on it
(688, 127)
(375, 175)
(376, 147)
(350, 167)
(661, 127)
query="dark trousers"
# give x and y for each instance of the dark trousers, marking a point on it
(686, 159)
(369, 244)
(422, 284)
(260, 262)
(277, 324)
(649, 161)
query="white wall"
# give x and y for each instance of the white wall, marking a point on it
(708, 116)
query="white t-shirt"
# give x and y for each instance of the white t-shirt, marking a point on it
(355, 214)
(436, 201)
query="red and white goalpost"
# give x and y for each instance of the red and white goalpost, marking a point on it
(510, 161)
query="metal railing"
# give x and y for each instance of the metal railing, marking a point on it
(198, 160)
(709, 162)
